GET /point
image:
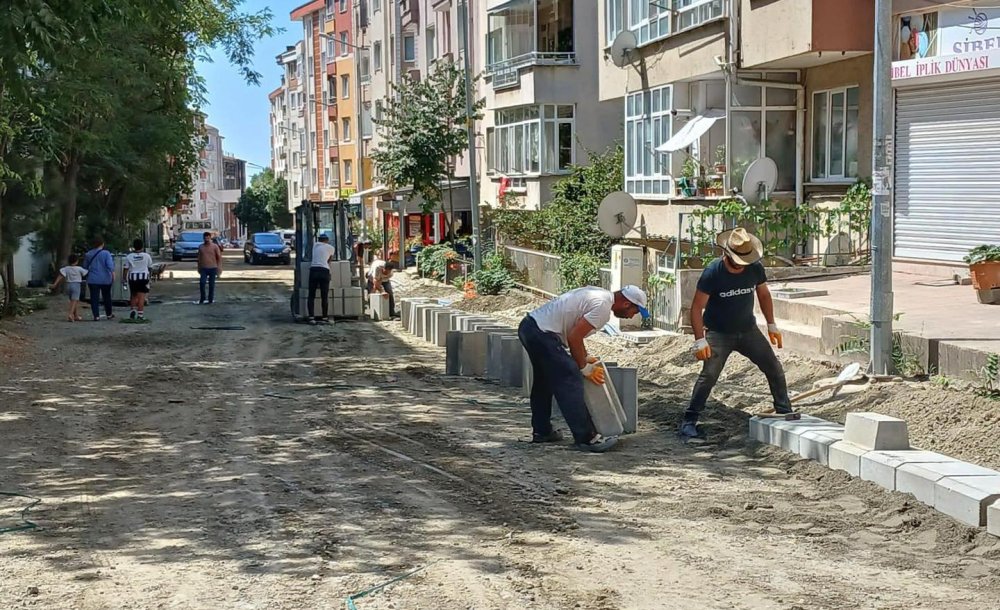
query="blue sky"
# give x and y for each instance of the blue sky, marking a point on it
(239, 110)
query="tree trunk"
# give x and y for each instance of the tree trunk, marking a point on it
(9, 296)
(67, 228)
(451, 205)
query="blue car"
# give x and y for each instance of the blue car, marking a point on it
(187, 244)
(266, 248)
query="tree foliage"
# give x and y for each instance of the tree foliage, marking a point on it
(423, 132)
(264, 205)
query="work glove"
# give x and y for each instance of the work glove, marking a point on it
(591, 359)
(774, 335)
(594, 372)
(702, 350)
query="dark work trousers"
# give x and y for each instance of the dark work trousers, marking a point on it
(100, 293)
(319, 279)
(207, 278)
(554, 374)
(387, 288)
(754, 345)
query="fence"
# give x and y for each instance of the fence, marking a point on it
(664, 299)
(538, 271)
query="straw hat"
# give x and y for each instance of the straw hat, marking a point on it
(741, 246)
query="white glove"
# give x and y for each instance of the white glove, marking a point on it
(774, 335)
(702, 350)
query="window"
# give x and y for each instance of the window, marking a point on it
(366, 120)
(376, 6)
(835, 134)
(378, 110)
(348, 171)
(343, 6)
(409, 48)
(364, 67)
(334, 171)
(445, 32)
(345, 86)
(648, 124)
(614, 18)
(345, 130)
(326, 138)
(651, 20)
(762, 124)
(335, 132)
(345, 48)
(329, 9)
(331, 49)
(377, 55)
(429, 39)
(532, 140)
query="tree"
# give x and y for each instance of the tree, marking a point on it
(252, 211)
(264, 205)
(424, 132)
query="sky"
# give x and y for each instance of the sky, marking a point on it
(239, 110)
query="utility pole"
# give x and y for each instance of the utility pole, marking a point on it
(399, 81)
(477, 247)
(882, 186)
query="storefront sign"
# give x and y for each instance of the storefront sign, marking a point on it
(968, 30)
(944, 65)
(347, 192)
(330, 194)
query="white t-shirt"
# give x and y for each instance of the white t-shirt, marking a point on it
(378, 271)
(138, 264)
(72, 273)
(322, 253)
(560, 315)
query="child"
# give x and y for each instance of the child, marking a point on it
(73, 276)
(137, 265)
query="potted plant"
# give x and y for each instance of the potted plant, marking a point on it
(689, 172)
(715, 188)
(720, 159)
(984, 268)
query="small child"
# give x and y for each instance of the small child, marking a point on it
(137, 265)
(73, 275)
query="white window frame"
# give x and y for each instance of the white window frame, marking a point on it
(348, 171)
(653, 20)
(346, 129)
(413, 40)
(343, 6)
(504, 154)
(845, 176)
(345, 87)
(430, 41)
(653, 128)
(614, 20)
(330, 9)
(377, 56)
(762, 109)
(345, 48)
(376, 6)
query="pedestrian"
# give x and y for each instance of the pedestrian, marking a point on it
(100, 266)
(319, 277)
(722, 317)
(553, 336)
(73, 275)
(209, 268)
(137, 265)
(378, 281)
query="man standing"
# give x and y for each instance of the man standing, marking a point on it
(319, 277)
(137, 265)
(378, 282)
(723, 321)
(546, 333)
(100, 266)
(209, 267)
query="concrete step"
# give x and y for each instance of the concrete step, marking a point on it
(802, 311)
(803, 339)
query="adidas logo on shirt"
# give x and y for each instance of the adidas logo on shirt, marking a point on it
(736, 292)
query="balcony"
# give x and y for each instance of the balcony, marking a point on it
(331, 111)
(334, 152)
(527, 33)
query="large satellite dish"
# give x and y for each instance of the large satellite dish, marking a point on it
(617, 214)
(622, 47)
(759, 181)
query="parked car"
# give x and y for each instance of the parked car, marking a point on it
(186, 245)
(288, 236)
(266, 247)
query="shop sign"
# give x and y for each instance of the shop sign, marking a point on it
(329, 194)
(942, 66)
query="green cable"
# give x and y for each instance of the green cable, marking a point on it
(27, 525)
(350, 598)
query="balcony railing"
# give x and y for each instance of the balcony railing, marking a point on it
(534, 58)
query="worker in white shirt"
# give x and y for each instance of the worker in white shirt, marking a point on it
(553, 336)
(378, 282)
(319, 278)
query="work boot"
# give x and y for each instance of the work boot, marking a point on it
(688, 430)
(552, 437)
(598, 444)
(784, 410)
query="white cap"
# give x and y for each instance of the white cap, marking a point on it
(637, 296)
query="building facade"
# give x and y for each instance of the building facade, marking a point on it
(288, 139)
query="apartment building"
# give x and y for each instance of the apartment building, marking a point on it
(288, 134)
(342, 130)
(315, 112)
(726, 82)
(544, 111)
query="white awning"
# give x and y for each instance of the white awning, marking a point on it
(695, 128)
(376, 190)
(503, 6)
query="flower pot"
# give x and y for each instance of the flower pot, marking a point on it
(985, 275)
(720, 168)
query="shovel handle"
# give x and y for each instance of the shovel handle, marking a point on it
(834, 387)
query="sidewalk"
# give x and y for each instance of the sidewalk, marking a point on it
(953, 332)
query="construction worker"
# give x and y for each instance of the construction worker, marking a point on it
(553, 337)
(378, 281)
(722, 316)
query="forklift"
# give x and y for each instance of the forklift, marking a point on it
(313, 219)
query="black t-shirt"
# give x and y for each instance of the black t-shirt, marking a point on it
(730, 296)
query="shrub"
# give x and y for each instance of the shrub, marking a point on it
(432, 261)
(494, 277)
(579, 269)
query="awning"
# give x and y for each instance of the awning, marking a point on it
(695, 128)
(506, 5)
(374, 191)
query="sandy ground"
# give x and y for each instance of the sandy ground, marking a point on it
(288, 466)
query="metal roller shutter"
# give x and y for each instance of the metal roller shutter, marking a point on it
(947, 188)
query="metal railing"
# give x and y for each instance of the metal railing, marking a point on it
(534, 58)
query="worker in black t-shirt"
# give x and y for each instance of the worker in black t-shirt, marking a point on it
(723, 321)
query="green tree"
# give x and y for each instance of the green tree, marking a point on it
(423, 133)
(264, 205)
(252, 211)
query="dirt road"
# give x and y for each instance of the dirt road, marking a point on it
(287, 466)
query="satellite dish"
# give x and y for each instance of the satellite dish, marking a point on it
(759, 181)
(617, 214)
(622, 47)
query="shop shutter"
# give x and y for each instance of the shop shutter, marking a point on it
(947, 188)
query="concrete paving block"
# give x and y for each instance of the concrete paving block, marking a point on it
(876, 432)
(417, 319)
(488, 325)
(967, 498)
(846, 456)
(378, 307)
(442, 325)
(760, 430)
(993, 518)
(453, 353)
(427, 325)
(473, 354)
(815, 444)
(527, 373)
(466, 322)
(920, 480)
(605, 410)
(626, 382)
(786, 434)
(494, 362)
(880, 467)
(406, 308)
(511, 361)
